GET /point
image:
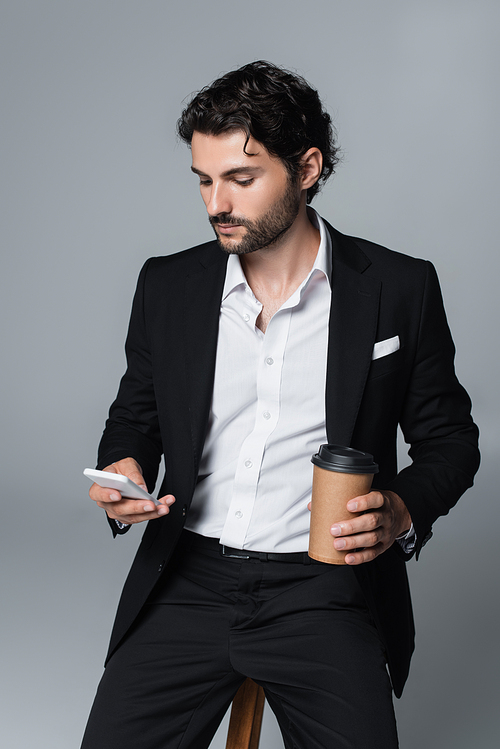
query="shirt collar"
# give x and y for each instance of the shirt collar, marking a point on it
(234, 276)
(323, 262)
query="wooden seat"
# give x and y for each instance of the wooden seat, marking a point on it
(246, 717)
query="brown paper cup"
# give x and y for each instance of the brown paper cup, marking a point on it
(332, 488)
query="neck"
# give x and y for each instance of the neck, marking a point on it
(276, 271)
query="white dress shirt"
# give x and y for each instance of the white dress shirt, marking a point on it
(268, 414)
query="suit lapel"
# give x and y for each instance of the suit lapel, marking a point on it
(203, 292)
(352, 331)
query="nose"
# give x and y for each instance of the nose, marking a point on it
(218, 199)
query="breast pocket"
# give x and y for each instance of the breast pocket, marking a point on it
(386, 364)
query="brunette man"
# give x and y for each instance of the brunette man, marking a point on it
(241, 362)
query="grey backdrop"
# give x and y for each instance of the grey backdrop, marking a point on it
(94, 182)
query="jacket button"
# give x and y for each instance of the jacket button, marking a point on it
(162, 564)
(184, 511)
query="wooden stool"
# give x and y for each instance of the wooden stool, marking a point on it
(246, 717)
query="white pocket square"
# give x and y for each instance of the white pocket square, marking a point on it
(383, 348)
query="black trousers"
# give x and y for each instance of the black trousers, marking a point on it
(302, 631)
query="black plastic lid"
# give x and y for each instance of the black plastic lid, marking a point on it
(344, 460)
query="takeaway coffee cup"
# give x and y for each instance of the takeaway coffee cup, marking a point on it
(339, 474)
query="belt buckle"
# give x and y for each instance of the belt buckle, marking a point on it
(232, 556)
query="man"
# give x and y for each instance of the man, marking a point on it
(241, 362)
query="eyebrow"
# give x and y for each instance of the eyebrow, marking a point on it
(231, 172)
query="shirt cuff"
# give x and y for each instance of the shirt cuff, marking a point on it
(408, 540)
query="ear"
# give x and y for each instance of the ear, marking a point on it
(312, 164)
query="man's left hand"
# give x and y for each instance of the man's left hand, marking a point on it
(384, 518)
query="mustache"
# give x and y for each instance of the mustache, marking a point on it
(227, 219)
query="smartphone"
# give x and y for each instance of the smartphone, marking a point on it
(124, 485)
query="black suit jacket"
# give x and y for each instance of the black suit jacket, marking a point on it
(164, 399)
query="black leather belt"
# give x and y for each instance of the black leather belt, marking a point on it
(196, 541)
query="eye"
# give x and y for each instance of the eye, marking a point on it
(204, 182)
(244, 182)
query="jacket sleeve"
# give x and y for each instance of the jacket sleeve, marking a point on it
(132, 429)
(436, 422)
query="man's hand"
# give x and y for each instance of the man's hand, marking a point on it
(129, 510)
(384, 518)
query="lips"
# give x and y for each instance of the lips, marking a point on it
(226, 228)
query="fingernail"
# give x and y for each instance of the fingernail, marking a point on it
(114, 497)
(162, 510)
(339, 543)
(350, 559)
(352, 506)
(335, 530)
(146, 508)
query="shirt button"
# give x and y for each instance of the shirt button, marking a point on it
(238, 514)
(266, 415)
(269, 360)
(246, 318)
(248, 464)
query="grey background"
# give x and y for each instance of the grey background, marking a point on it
(94, 182)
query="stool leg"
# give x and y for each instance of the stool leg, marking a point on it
(246, 717)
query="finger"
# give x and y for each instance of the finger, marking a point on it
(361, 540)
(137, 478)
(130, 469)
(129, 506)
(362, 524)
(135, 519)
(366, 502)
(167, 500)
(165, 503)
(132, 507)
(363, 555)
(101, 494)
(133, 510)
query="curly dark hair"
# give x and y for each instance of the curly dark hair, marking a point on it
(276, 107)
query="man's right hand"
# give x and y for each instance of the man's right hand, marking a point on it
(126, 510)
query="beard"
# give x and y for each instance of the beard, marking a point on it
(264, 231)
